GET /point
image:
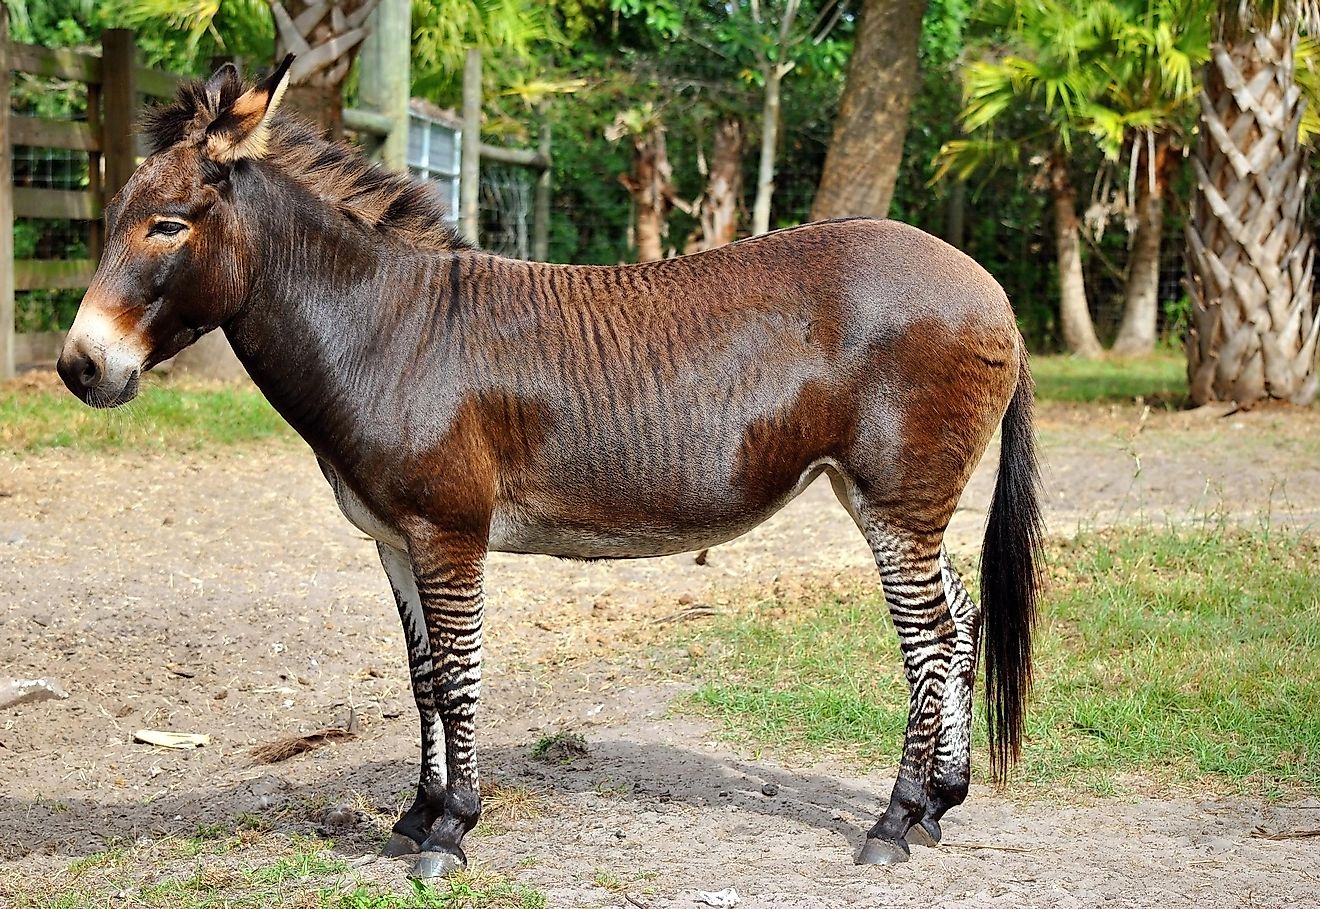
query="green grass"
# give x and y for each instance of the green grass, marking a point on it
(238, 872)
(1161, 378)
(1188, 657)
(167, 416)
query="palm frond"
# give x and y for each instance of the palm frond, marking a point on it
(963, 157)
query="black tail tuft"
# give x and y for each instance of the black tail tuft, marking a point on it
(1010, 578)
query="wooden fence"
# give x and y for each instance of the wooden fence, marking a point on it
(116, 83)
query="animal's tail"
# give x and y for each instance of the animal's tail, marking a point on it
(1010, 577)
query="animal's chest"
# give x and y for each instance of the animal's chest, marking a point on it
(359, 515)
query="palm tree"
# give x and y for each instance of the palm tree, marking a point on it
(1253, 318)
(866, 148)
(1035, 105)
(1158, 48)
(326, 36)
(1122, 71)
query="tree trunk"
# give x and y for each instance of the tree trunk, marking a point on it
(1074, 313)
(1141, 292)
(652, 189)
(718, 207)
(765, 175)
(1254, 323)
(326, 37)
(320, 104)
(862, 163)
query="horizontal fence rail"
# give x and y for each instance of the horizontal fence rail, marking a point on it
(117, 85)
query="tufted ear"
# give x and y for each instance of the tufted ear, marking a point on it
(241, 127)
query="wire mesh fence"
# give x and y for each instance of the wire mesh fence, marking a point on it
(1106, 285)
(504, 204)
(50, 238)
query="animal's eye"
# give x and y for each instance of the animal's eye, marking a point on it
(167, 229)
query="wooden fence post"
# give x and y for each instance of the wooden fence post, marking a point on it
(541, 211)
(119, 93)
(385, 76)
(6, 209)
(95, 183)
(469, 179)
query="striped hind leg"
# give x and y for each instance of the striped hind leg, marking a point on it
(449, 570)
(952, 772)
(412, 829)
(911, 574)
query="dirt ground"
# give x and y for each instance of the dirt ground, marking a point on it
(222, 593)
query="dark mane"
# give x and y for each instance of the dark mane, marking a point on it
(398, 205)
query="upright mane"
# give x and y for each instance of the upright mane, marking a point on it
(398, 205)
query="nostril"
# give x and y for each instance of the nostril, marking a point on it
(80, 371)
(89, 373)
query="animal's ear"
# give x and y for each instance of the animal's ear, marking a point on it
(242, 126)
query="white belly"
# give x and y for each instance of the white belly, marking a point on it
(359, 515)
(516, 531)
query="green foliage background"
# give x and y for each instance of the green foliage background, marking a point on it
(580, 63)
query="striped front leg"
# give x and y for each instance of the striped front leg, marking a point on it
(914, 589)
(449, 572)
(411, 830)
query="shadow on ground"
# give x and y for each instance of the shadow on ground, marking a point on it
(659, 776)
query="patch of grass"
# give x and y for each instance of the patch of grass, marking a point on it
(167, 416)
(562, 747)
(1183, 655)
(607, 880)
(109, 858)
(211, 831)
(276, 871)
(1160, 378)
(470, 889)
(310, 858)
(253, 822)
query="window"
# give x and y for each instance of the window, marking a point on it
(433, 154)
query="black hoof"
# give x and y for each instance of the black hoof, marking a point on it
(925, 832)
(882, 852)
(400, 844)
(432, 866)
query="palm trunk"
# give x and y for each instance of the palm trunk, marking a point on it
(1141, 293)
(326, 38)
(1074, 313)
(1253, 321)
(323, 105)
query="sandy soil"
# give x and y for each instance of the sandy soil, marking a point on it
(222, 593)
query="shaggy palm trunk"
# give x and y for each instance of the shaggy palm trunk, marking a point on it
(1141, 293)
(718, 209)
(1253, 320)
(1074, 313)
(326, 38)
